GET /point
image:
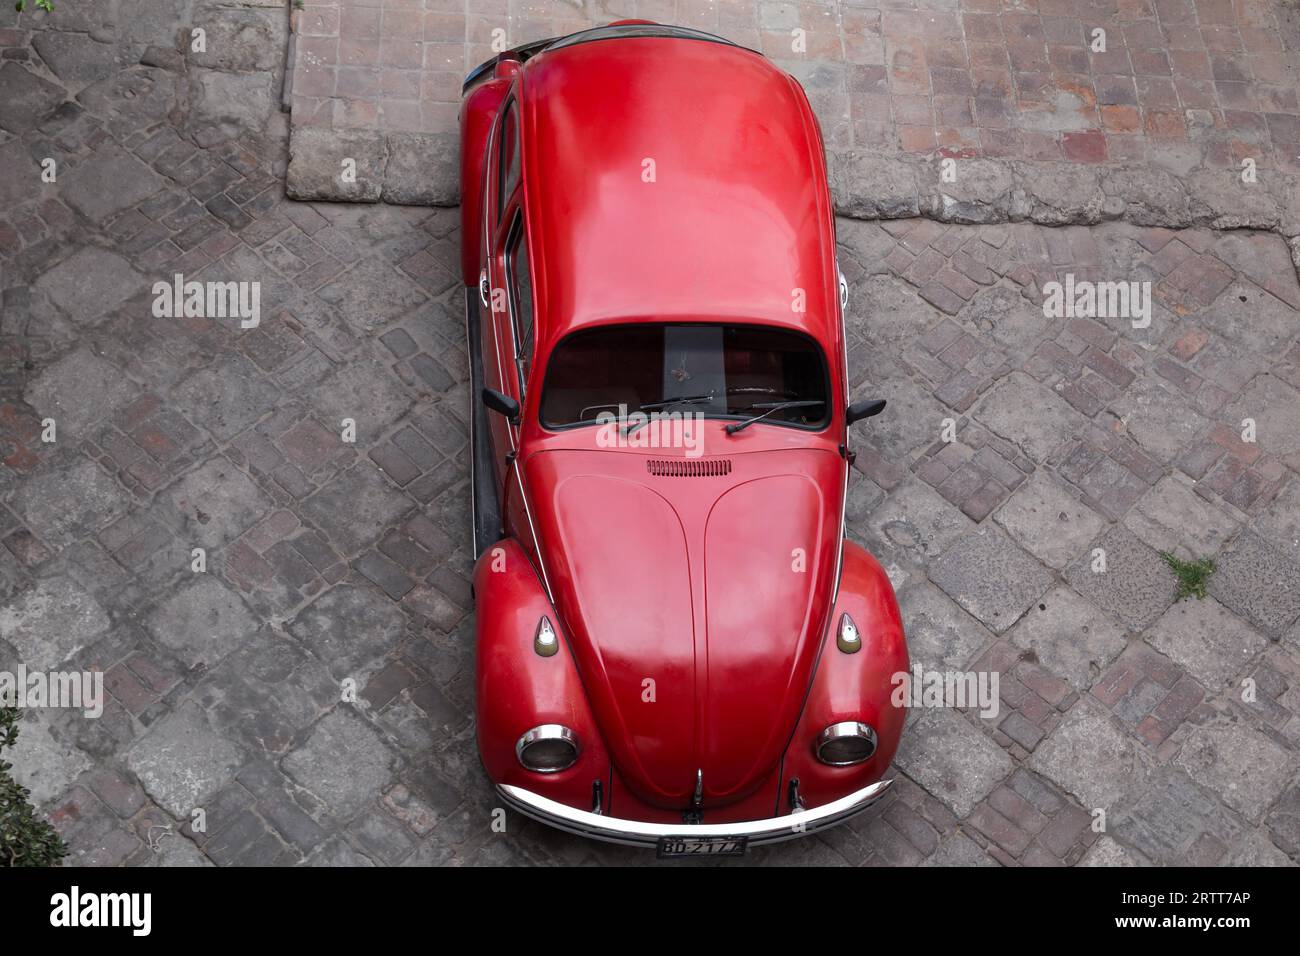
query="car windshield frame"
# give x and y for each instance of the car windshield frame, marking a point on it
(821, 425)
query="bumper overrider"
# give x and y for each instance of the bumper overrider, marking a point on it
(596, 826)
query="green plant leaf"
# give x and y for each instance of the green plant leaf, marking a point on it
(1192, 575)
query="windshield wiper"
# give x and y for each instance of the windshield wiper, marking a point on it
(666, 403)
(771, 407)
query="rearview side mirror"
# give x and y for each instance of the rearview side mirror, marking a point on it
(501, 403)
(867, 408)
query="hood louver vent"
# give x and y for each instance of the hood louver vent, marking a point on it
(686, 468)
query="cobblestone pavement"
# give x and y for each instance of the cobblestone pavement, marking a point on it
(328, 561)
(1182, 84)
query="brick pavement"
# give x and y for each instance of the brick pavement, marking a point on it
(331, 561)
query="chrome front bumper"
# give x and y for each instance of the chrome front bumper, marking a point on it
(635, 833)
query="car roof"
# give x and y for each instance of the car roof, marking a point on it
(735, 219)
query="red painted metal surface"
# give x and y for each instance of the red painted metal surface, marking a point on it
(697, 606)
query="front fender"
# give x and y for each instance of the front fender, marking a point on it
(519, 689)
(854, 686)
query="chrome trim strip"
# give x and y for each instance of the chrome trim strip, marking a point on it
(638, 833)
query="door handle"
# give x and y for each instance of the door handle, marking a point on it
(483, 288)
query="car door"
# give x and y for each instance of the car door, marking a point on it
(503, 172)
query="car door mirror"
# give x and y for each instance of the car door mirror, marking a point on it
(502, 403)
(867, 408)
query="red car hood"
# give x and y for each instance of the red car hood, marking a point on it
(695, 606)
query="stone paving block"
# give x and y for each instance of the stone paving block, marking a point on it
(363, 391)
(1275, 408)
(45, 761)
(940, 635)
(1089, 757)
(67, 501)
(214, 504)
(1136, 586)
(1246, 768)
(1005, 410)
(1255, 580)
(1107, 853)
(182, 762)
(202, 622)
(1172, 817)
(917, 521)
(107, 182)
(357, 506)
(1204, 637)
(987, 574)
(1279, 524)
(78, 390)
(227, 398)
(50, 622)
(1069, 637)
(960, 850)
(1158, 419)
(90, 283)
(1048, 522)
(944, 753)
(1172, 517)
(343, 761)
(350, 629)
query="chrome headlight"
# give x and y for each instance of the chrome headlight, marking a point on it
(548, 748)
(846, 743)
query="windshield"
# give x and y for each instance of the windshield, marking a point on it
(720, 371)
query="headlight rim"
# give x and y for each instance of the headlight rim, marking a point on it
(545, 732)
(843, 729)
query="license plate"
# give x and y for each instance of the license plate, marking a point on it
(683, 846)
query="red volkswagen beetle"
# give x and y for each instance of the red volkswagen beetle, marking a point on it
(677, 647)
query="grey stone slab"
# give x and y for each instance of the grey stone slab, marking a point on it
(344, 762)
(50, 622)
(1162, 421)
(372, 294)
(1107, 853)
(317, 158)
(1207, 639)
(1136, 586)
(356, 507)
(1006, 316)
(90, 283)
(241, 40)
(76, 58)
(108, 181)
(182, 762)
(1172, 517)
(1283, 822)
(940, 635)
(947, 756)
(1275, 408)
(78, 390)
(1091, 758)
(423, 170)
(1069, 637)
(351, 629)
(914, 519)
(1170, 815)
(1049, 522)
(214, 504)
(227, 398)
(44, 760)
(202, 621)
(1255, 849)
(959, 850)
(69, 500)
(913, 419)
(1035, 418)
(991, 577)
(1279, 524)
(132, 99)
(1248, 316)
(1247, 769)
(233, 103)
(364, 391)
(1259, 582)
(27, 99)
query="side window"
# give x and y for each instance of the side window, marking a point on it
(509, 162)
(521, 299)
